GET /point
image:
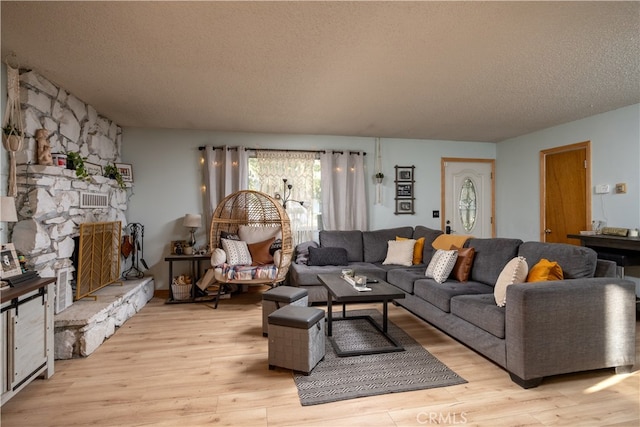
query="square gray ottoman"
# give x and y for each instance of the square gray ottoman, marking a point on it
(296, 338)
(278, 297)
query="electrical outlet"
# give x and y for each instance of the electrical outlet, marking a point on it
(602, 189)
(621, 188)
(436, 214)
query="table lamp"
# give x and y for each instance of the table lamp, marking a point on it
(8, 209)
(192, 221)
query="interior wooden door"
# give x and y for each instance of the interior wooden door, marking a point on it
(468, 202)
(565, 197)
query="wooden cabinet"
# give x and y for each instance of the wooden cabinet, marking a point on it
(27, 334)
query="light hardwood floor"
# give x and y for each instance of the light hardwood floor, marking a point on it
(190, 365)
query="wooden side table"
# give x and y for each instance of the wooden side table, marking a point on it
(195, 261)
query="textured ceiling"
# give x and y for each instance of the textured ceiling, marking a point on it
(472, 71)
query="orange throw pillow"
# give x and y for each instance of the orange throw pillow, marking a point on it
(462, 269)
(260, 252)
(417, 249)
(544, 271)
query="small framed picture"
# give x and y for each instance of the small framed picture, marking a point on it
(404, 190)
(126, 170)
(404, 173)
(177, 247)
(93, 169)
(9, 261)
(404, 207)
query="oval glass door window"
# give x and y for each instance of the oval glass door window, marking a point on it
(467, 206)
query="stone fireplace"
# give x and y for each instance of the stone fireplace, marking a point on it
(52, 203)
(51, 200)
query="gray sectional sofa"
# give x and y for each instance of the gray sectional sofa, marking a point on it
(586, 321)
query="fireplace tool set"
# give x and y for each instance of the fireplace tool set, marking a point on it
(133, 244)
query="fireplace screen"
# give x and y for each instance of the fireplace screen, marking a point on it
(98, 256)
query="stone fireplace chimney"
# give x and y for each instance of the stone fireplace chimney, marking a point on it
(50, 199)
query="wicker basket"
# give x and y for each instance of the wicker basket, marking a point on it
(181, 291)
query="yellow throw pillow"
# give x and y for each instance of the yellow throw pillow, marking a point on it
(417, 249)
(445, 241)
(544, 271)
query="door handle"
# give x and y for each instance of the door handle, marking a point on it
(547, 231)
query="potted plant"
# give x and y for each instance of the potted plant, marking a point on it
(12, 137)
(76, 162)
(379, 176)
(111, 171)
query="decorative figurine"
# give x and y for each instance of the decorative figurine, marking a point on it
(44, 149)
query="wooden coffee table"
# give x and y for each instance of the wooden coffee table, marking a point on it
(340, 291)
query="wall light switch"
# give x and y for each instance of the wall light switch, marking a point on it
(621, 188)
(602, 189)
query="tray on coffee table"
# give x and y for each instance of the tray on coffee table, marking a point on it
(340, 291)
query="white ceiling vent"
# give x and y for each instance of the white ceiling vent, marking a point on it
(94, 200)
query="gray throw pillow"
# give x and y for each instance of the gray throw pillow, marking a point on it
(327, 256)
(230, 236)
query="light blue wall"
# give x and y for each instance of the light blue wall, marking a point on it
(615, 156)
(167, 173)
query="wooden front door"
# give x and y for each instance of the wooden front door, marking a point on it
(565, 198)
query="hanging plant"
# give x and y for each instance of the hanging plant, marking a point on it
(111, 171)
(11, 129)
(12, 137)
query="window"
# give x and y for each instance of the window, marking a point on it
(268, 169)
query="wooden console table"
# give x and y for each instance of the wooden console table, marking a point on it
(27, 334)
(624, 251)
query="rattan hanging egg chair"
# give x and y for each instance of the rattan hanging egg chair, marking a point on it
(253, 209)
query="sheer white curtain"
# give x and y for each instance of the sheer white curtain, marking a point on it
(271, 167)
(225, 172)
(344, 205)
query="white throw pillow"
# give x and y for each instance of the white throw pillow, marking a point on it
(441, 265)
(277, 257)
(237, 252)
(218, 257)
(258, 234)
(400, 252)
(514, 272)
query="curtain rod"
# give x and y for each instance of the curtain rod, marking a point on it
(202, 147)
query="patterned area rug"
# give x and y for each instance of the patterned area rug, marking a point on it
(341, 378)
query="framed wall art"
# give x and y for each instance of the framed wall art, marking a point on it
(404, 173)
(93, 168)
(405, 190)
(404, 207)
(9, 261)
(126, 170)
